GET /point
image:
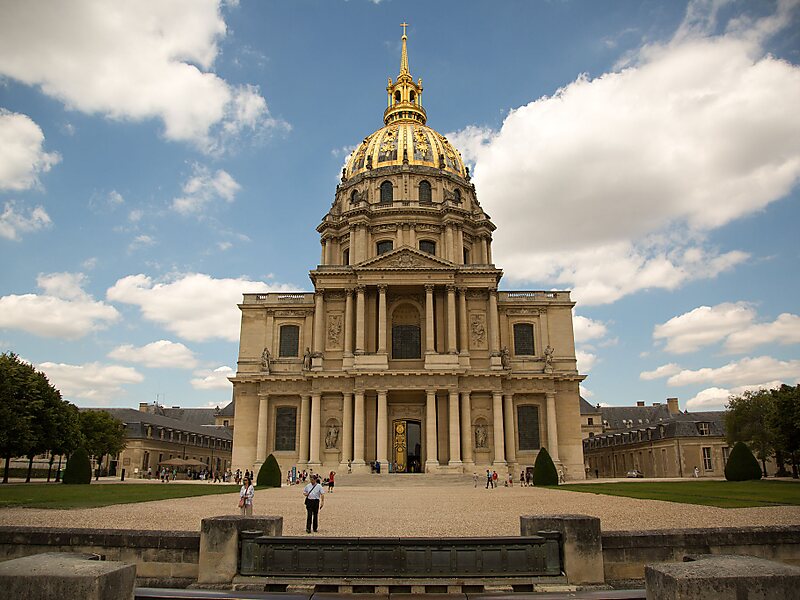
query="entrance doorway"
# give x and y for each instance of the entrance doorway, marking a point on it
(407, 444)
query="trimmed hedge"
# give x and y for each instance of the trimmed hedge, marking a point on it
(742, 465)
(544, 471)
(269, 475)
(79, 469)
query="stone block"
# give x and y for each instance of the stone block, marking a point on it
(722, 577)
(581, 541)
(219, 544)
(66, 576)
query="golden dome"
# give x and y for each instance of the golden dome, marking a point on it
(405, 139)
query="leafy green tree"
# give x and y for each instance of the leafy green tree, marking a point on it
(544, 471)
(269, 475)
(742, 465)
(748, 420)
(78, 470)
(16, 419)
(784, 421)
(103, 434)
(67, 436)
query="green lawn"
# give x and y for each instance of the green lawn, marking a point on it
(55, 495)
(723, 494)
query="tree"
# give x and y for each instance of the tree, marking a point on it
(742, 465)
(269, 475)
(78, 470)
(544, 471)
(748, 420)
(16, 419)
(784, 421)
(67, 436)
(103, 434)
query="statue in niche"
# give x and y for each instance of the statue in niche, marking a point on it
(480, 436)
(332, 437)
(307, 359)
(548, 357)
(505, 358)
(266, 357)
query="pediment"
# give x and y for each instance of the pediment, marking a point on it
(406, 258)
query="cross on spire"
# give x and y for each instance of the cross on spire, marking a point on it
(404, 25)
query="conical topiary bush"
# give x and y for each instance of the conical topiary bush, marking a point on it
(544, 471)
(742, 465)
(269, 475)
(78, 469)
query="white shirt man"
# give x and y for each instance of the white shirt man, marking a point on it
(315, 500)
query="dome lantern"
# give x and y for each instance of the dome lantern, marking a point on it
(404, 96)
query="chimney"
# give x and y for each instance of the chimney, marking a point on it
(672, 405)
(640, 403)
(144, 407)
(656, 403)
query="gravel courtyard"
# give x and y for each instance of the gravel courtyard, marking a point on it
(405, 505)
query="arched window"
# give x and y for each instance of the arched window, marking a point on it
(406, 332)
(387, 192)
(354, 197)
(346, 256)
(397, 96)
(523, 339)
(457, 196)
(428, 246)
(384, 246)
(425, 192)
(466, 256)
(290, 341)
(412, 96)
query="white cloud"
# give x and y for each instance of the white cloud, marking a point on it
(662, 371)
(716, 398)
(625, 174)
(14, 222)
(135, 215)
(22, 157)
(133, 61)
(95, 382)
(703, 326)
(732, 322)
(222, 246)
(160, 354)
(588, 329)
(203, 188)
(585, 360)
(141, 241)
(63, 311)
(115, 198)
(89, 263)
(586, 393)
(195, 306)
(213, 380)
(741, 372)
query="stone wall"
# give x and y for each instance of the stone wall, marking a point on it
(625, 553)
(162, 558)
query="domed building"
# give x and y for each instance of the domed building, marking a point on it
(407, 354)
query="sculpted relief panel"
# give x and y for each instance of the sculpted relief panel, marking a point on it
(335, 328)
(477, 331)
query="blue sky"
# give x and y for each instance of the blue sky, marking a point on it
(158, 159)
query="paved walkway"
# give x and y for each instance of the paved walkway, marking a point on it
(407, 505)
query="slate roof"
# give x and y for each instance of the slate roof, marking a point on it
(587, 408)
(681, 425)
(134, 419)
(227, 411)
(641, 416)
(196, 416)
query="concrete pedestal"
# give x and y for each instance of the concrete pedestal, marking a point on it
(66, 576)
(219, 544)
(582, 543)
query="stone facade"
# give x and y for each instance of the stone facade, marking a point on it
(407, 353)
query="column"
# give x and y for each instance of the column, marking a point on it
(430, 430)
(263, 422)
(429, 343)
(462, 321)
(448, 242)
(360, 307)
(494, 323)
(358, 429)
(489, 251)
(459, 245)
(347, 427)
(508, 421)
(270, 333)
(451, 320)
(305, 409)
(484, 251)
(329, 260)
(323, 244)
(499, 436)
(316, 409)
(348, 322)
(412, 235)
(466, 428)
(383, 431)
(319, 321)
(382, 319)
(454, 427)
(398, 236)
(552, 426)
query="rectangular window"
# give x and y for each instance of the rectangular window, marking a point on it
(523, 339)
(707, 459)
(405, 341)
(725, 453)
(285, 428)
(427, 246)
(384, 247)
(590, 420)
(703, 428)
(528, 425)
(290, 340)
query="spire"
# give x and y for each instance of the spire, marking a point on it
(404, 96)
(404, 53)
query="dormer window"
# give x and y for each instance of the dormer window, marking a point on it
(703, 429)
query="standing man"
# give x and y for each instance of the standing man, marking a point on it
(489, 479)
(315, 500)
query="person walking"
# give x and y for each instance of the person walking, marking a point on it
(246, 494)
(494, 479)
(315, 500)
(488, 479)
(330, 481)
